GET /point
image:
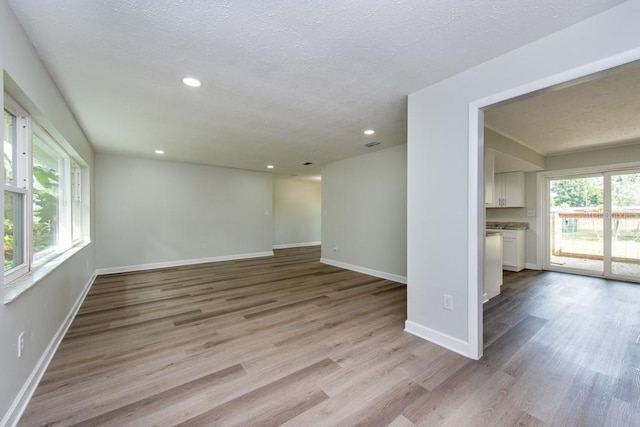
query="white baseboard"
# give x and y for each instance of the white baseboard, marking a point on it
(364, 270)
(531, 266)
(296, 245)
(443, 340)
(153, 266)
(19, 404)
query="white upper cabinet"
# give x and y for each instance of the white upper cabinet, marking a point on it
(489, 169)
(508, 190)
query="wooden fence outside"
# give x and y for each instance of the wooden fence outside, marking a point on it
(564, 224)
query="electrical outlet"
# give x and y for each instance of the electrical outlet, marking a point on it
(20, 344)
(447, 302)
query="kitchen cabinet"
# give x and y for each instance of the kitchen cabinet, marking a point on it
(513, 248)
(508, 190)
(489, 171)
(492, 265)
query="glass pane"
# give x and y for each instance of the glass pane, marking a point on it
(13, 230)
(576, 223)
(46, 198)
(76, 203)
(10, 149)
(625, 224)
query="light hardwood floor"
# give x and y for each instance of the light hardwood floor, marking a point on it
(288, 341)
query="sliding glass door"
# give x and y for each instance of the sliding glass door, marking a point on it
(594, 224)
(625, 224)
(576, 223)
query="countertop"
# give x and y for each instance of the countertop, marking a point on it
(507, 225)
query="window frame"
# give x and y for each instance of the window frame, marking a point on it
(69, 180)
(76, 197)
(64, 240)
(21, 183)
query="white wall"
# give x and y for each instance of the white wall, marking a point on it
(443, 165)
(364, 213)
(296, 211)
(508, 146)
(43, 310)
(154, 212)
(605, 156)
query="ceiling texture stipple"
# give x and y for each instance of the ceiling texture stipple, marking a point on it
(587, 114)
(282, 81)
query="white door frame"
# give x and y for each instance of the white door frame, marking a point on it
(475, 196)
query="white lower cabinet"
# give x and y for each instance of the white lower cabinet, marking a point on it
(513, 249)
(492, 266)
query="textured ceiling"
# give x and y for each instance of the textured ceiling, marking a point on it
(589, 114)
(284, 82)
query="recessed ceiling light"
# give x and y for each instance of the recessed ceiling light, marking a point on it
(190, 81)
(369, 132)
(270, 167)
(159, 152)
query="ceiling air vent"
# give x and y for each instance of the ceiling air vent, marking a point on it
(372, 144)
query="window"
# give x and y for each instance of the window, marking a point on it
(42, 199)
(15, 193)
(76, 203)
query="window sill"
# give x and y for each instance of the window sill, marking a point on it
(16, 288)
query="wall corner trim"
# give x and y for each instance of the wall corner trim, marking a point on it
(21, 401)
(364, 270)
(443, 340)
(296, 245)
(157, 265)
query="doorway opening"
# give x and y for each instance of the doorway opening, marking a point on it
(615, 258)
